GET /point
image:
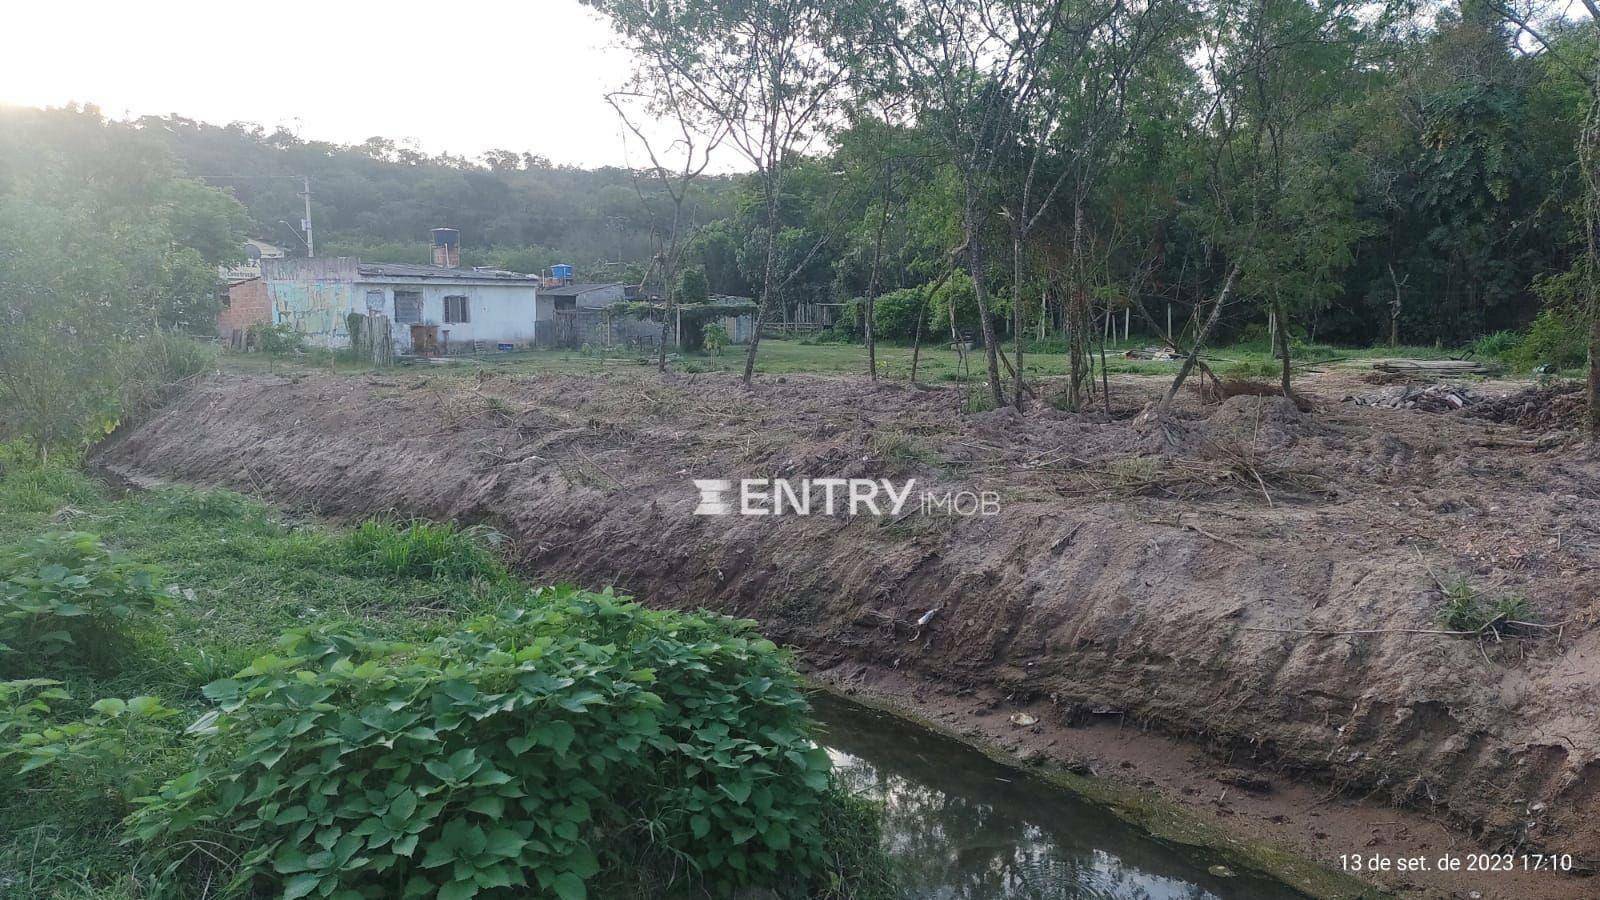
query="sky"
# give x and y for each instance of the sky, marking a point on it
(462, 76)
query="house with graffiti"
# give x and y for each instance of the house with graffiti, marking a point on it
(439, 308)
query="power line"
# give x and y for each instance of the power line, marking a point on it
(305, 224)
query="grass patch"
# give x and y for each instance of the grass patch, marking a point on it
(901, 450)
(809, 356)
(1466, 609)
(417, 549)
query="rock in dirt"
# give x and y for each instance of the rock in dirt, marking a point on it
(1437, 398)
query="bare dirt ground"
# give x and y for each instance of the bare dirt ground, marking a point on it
(1239, 609)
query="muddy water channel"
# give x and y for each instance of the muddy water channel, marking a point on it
(960, 825)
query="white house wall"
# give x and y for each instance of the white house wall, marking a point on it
(499, 313)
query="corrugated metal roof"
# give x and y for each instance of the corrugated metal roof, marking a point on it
(573, 290)
(406, 270)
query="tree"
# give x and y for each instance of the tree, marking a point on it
(1063, 124)
(1274, 66)
(965, 66)
(693, 146)
(1582, 59)
(692, 286)
(91, 265)
(771, 73)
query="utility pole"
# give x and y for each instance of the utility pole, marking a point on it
(305, 223)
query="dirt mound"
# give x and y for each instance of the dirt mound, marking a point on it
(1281, 604)
(1246, 414)
(1556, 408)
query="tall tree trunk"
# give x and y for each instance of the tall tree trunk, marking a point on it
(1394, 309)
(768, 278)
(1589, 159)
(922, 313)
(872, 285)
(1199, 342)
(1282, 337)
(981, 294)
(1077, 312)
(1017, 325)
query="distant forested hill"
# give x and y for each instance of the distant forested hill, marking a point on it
(379, 198)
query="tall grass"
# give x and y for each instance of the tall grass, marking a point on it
(417, 549)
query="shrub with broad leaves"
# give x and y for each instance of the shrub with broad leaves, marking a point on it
(528, 751)
(64, 594)
(98, 757)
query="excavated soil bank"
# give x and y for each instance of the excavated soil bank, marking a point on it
(1259, 581)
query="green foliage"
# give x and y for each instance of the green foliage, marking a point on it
(714, 337)
(1466, 609)
(1496, 345)
(1461, 610)
(895, 313)
(279, 340)
(692, 286)
(1252, 368)
(67, 597)
(1556, 338)
(959, 293)
(30, 487)
(527, 750)
(202, 506)
(153, 368)
(103, 248)
(249, 575)
(102, 756)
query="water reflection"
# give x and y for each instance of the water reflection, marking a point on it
(962, 826)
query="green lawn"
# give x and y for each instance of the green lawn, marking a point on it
(790, 357)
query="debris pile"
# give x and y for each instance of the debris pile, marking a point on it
(1555, 408)
(1432, 398)
(1149, 353)
(1434, 367)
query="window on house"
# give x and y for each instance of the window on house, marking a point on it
(456, 309)
(407, 307)
(374, 303)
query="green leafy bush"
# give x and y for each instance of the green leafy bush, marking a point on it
(65, 594)
(153, 368)
(1495, 345)
(895, 314)
(1556, 338)
(715, 337)
(278, 340)
(102, 756)
(529, 750)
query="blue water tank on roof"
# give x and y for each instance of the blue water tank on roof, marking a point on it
(561, 271)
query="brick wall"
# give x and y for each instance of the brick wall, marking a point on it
(247, 305)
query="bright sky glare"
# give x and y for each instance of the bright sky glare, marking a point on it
(461, 76)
